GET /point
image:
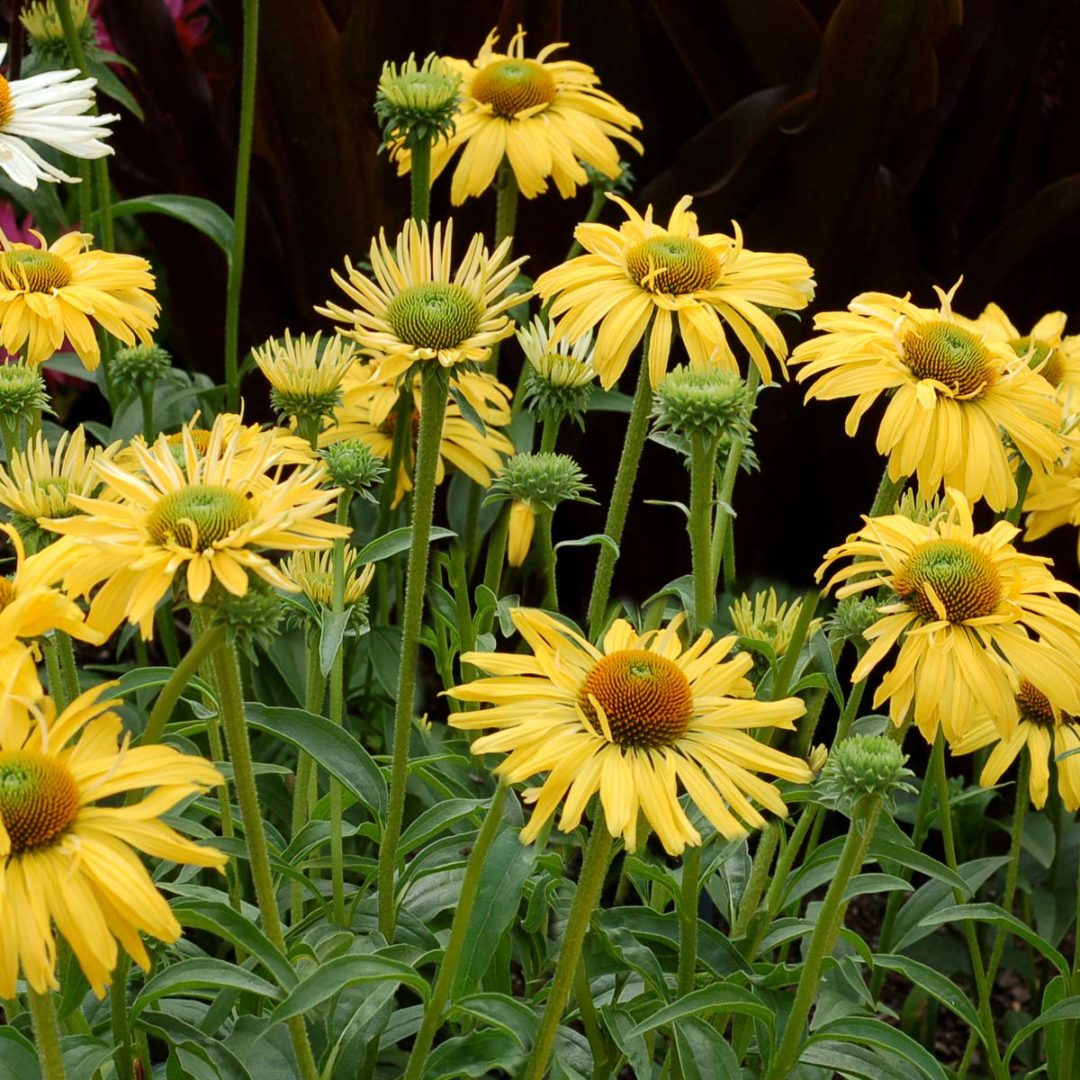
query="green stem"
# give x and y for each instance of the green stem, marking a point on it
(590, 1021)
(549, 434)
(433, 389)
(634, 443)
(65, 650)
(52, 668)
(315, 691)
(786, 859)
(165, 620)
(986, 1016)
(249, 68)
(722, 522)
(123, 1055)
(420, 181)
(887, 493)
(590, 884)
(337, 716)
(230, 693)
(403, 412)
(1023, 478)
(689, 895)
(506, 202)
(496, 553)
(205, 644)
(759, 875)
(786, 671)
(702, 476)
(1072, 1028)
(46, 1034)
(547, 556)
(440, 993)
(599, 200)
(146, 396)
(829, 921)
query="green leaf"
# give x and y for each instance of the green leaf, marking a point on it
(715, 951)
(938, 986)
(147, 678)
(1056, 990)
(179, 1034)
(1068, 1009)
(201, 214)
(109, 84)
(704, 1054)
(351, 970)
(480, 1053)
(498, 896)
(84, 1055)
(467, 410)
(855, 1062)
(867, 1032)
(998, 916)
(435, 820)
(331, 746)
(726, 996)
(18, 1058)
(396, 541)
(593, 538)
(891, 851)
(200, 973)
(333, 633)
(222, 921)
(501, 1011)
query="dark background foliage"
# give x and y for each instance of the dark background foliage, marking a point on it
(896, 143)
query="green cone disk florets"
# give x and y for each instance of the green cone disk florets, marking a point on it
(417, 105)
(540, 480)
(435, 315)
(39, 799)
(710, 402)
(854, 615)
(22, 392)
(353, 465)
(865, 765)
(138, 366)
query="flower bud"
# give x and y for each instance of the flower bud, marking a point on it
(417, 106)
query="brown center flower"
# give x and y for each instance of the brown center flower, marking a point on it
(512, 86)
(39, 799)
(962, 578)
(672, 264)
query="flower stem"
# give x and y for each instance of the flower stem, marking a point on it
(118, 1019)
(702, 473)
(420, 181)
(315, 689)
(937, 767)
(547, 556)
(722, 523)
(248, 70)
(65, 650)
(433, 390)
(46, 1034)
(549, 434)
(1072, 1028)
(888, 492)
(146, 396)
(205, 644)
(633, 444)
(688, 919)
(829, 921)
(759, 876)
(440, 994)
(337, 716)
(599, 200)
(231, 699)
(506, 202)
(590, 884)
(1023, 478)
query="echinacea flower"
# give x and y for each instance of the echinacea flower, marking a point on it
(634, 720)
(766, 619)
(953, 390)
(643, 276)
(312, 572)
(967, 611)
(69, 861)
(305, 373)
(49, 293)
(1044, 732)
(368, 413)
(211, 515)
(418, 307)
(52, 108)
(546, 117)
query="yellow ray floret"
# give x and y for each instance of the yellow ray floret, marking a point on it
(210, 514)
(968, 607)
(645, 276)
(67, 861)
(635, 720)
(544, 116)
(952, 391)
(49, 293)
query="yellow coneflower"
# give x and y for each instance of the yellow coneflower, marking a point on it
(766, 619)
(312, 572)
(368, 413)
(418, 307)
(965, 606)
(1039, 728)
(643, 275)
(544, 116)
(49, 293)
(633, 720)
(952, 391)
(305, 375)
(210, 515)
(68, 860)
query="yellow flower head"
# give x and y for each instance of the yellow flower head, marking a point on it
(47, 294)
(305, 375)
(544, 116)
(1039, 728)
(953, 389)
(643, 273)
(71, 862)
(211, 514)
(968, 607)
(312, 572)
(418, 307)
(634, 720)
(39, 483)
(766, 619)
(369, 413)
(1045, 348)
(42, 21)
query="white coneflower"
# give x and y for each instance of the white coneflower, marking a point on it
(52, 109)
